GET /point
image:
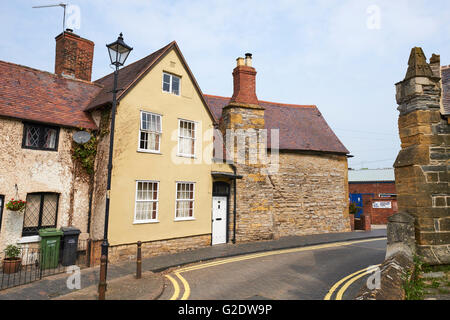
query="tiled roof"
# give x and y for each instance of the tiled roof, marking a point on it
(301, 127)
(31, 94)
(446, 89)
(371, 175)
(127, 77)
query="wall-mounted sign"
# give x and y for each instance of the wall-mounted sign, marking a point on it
(382, 204)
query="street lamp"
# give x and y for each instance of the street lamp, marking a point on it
(118, 53)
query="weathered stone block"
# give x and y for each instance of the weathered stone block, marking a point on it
(400, 235)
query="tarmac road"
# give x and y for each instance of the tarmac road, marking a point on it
(306, 273)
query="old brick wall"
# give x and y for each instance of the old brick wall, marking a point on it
(74, 56)
(372, 187)
(370, 192)
(381, 215)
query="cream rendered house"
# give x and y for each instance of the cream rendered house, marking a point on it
(175, 186)
(163, 168)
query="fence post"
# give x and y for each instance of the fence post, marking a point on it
(102, 282)
(139, 261)
(88, 252)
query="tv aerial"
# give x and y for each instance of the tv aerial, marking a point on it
(63, 5)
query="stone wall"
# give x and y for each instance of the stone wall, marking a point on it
(154, 248)
(421, 168)
(40, 171)
(306, 195)
(242, 125)
(310, 194)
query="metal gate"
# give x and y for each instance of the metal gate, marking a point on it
(35, 266)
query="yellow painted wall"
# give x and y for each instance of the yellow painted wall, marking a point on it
(130, 165)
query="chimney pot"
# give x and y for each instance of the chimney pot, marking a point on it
(248, 59)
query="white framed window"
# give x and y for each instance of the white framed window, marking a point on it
(186, 138)
(150, 132)
(171, 83)
(146, 208)
(184, 206)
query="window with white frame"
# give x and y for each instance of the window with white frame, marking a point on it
(171, 83)
(150, 132)
(185, 200)
(146, 201)
(186, 138)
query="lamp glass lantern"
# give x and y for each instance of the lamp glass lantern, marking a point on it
(118, 51)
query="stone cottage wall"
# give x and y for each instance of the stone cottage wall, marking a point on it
(40, 171)
(310, 194)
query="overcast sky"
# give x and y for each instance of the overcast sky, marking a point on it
(343, 56)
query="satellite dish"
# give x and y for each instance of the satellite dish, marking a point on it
(81, 137)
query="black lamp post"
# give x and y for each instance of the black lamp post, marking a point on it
(118, 53)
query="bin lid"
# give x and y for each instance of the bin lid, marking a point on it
(70, 231)
(50, 232)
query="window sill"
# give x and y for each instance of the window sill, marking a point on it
(29, 239)
(171, 93)
(146, 222)
(186, 156)
(184, 219)
(149, 151)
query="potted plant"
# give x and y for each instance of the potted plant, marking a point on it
(16, 205)
(12, 260)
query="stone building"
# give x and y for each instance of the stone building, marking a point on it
(280, 170)
(39, 112)
(422, 166)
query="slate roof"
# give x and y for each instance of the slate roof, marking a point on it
(446, 89)
(302, 127)
(371, 175)
(36, 95)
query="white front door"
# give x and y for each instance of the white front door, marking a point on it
(219, 220)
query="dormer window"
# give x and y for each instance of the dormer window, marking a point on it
(40, 137)
(171, 83)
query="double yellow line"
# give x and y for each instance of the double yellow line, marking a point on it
(176, 287)
(347, 281)
(185, 284)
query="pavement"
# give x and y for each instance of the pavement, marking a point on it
(121, 275)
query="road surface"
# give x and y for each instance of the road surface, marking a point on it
(331, 271)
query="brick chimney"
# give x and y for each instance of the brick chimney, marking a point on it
(74, 56)
(244, 80)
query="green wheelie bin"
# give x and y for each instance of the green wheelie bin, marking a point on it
(50, 241)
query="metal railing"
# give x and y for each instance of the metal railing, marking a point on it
(36, 262)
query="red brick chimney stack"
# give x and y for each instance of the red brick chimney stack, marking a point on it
(244, 80)
(74, 56)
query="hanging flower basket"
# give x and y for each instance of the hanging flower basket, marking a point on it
(16, 205)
